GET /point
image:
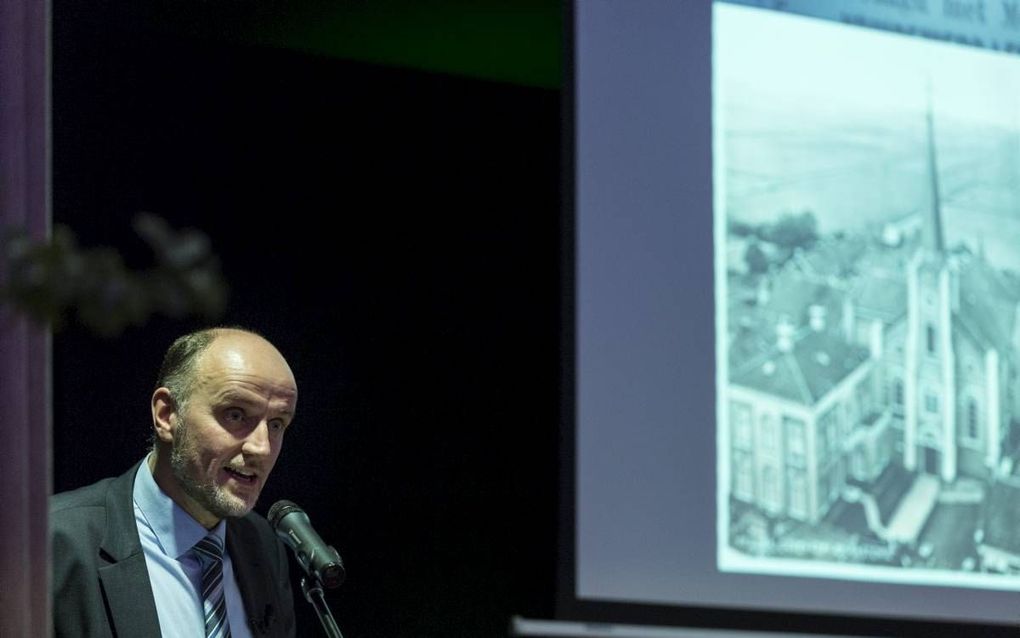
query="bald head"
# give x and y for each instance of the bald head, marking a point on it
(246, 356)
(179, 370)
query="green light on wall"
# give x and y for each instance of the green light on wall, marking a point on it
(509, 41)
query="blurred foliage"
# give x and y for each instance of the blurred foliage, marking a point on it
(756, 259)
(793, 231)
(53, 281)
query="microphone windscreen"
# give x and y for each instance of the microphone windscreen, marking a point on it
(281, 509)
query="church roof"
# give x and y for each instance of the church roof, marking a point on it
(815, 364)
(987, 309)
(881, 298)
(885, 262)
(1000, 516)
(792, 296)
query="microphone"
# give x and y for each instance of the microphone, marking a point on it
(319, 560)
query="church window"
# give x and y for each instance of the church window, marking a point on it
(833, 438)
(740, 413)
(798, 494)
(743, 487)
(770, 488)
(768, 433)
(828, 424)
(931, 403)
(972, 418)
(796, 446)
(931, 339)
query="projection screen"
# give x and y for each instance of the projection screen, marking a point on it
(795, 381)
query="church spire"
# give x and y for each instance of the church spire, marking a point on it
(932, 231)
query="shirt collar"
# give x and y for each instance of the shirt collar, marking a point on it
(175, 530)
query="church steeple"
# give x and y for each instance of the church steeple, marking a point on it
(930, 384)
(932, 229)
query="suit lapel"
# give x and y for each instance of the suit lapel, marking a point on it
(250, 574)
(125, 580)
(129, 597)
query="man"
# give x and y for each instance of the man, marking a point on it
(143, 554)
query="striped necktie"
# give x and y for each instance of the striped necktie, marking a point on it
(209, 552)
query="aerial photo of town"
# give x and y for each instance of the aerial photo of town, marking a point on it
(868, 304)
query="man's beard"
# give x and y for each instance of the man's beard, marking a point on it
(212, 497)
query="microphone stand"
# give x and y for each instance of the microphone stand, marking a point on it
(313, 594)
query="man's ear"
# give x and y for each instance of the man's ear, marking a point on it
(164, 415)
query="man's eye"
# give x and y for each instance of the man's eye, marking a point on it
(277, 425)
(235, 414)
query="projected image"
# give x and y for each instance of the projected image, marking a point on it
(868, 285)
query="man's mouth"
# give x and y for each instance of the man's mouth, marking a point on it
(243, 476)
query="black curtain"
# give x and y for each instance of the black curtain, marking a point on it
(396, 234)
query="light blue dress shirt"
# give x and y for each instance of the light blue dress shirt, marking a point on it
(168, 533)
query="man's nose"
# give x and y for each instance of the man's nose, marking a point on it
(257, 442)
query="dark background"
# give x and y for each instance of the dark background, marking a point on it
(396, 233)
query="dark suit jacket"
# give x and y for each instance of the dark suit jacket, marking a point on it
(100, 581)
